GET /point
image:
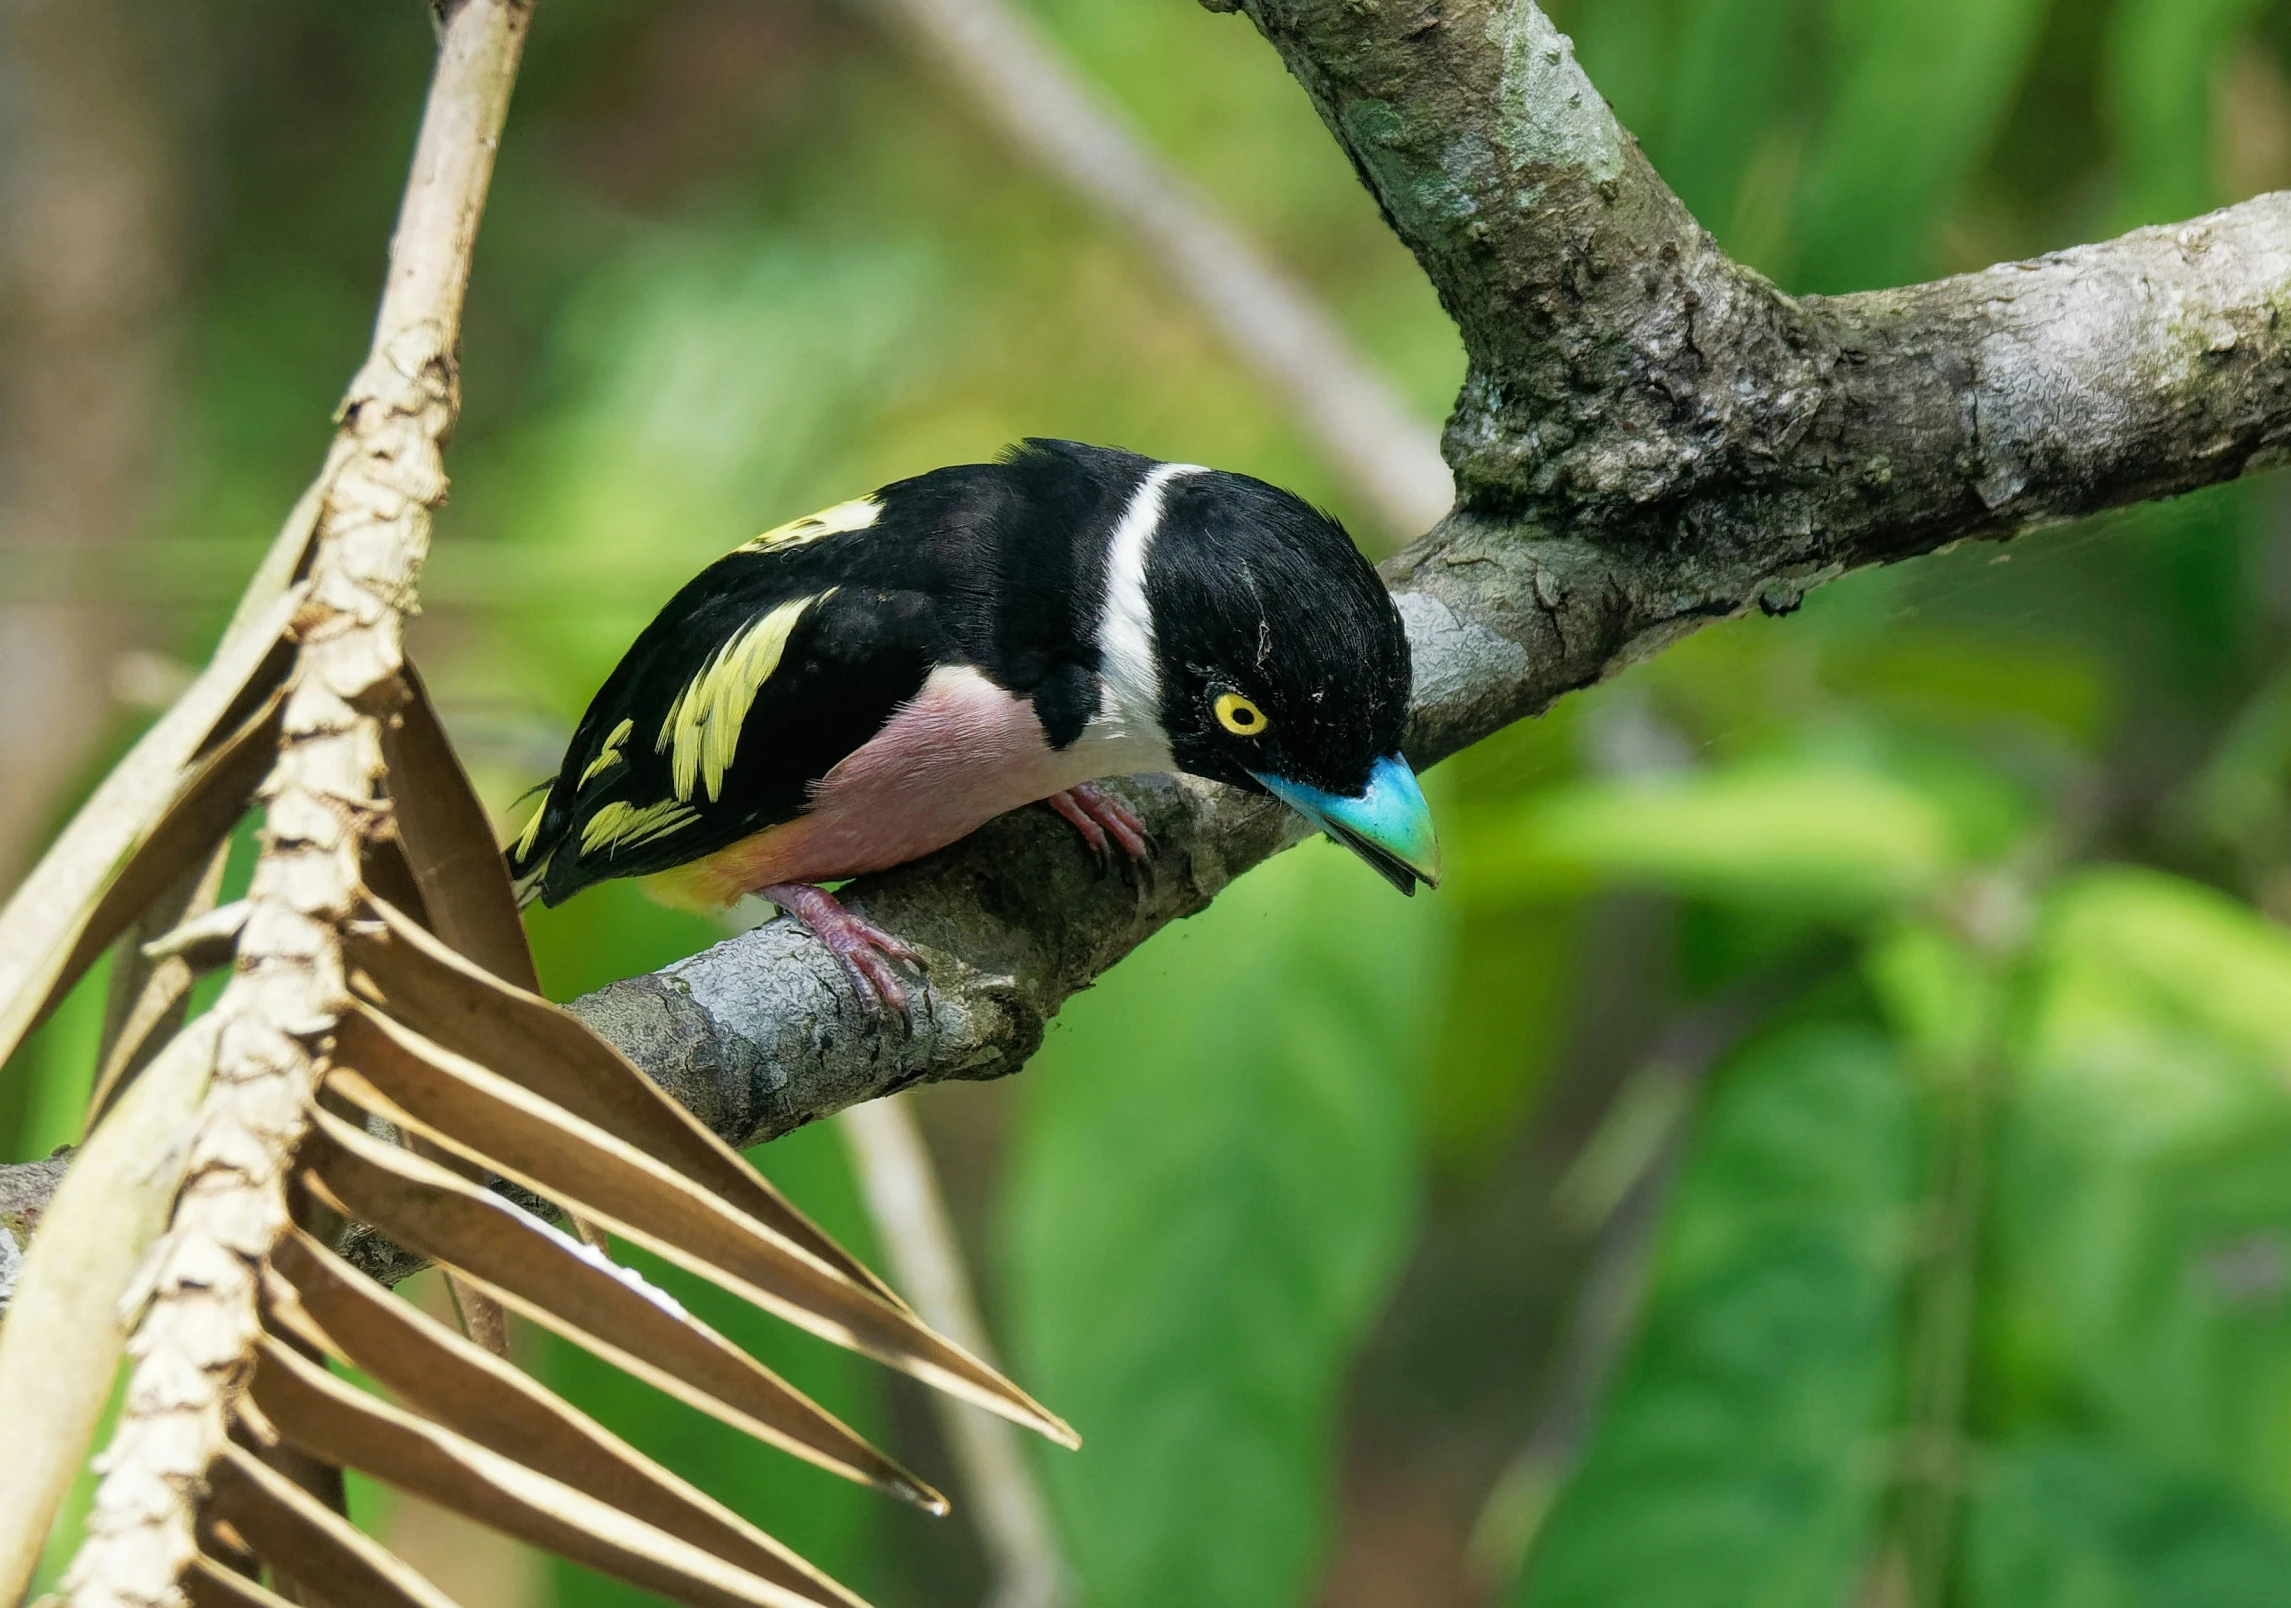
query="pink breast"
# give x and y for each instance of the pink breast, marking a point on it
(959, 753)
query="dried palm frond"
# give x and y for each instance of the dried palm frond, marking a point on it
(380, 1056)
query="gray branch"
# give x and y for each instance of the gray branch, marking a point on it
(1650, 438)
(26, 1187)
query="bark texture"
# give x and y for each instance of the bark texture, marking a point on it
(25, 1190)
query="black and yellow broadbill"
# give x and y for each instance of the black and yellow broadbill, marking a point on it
(858, 688)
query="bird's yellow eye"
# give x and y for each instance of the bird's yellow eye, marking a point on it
(1239, 716)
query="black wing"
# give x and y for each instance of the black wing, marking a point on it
(747, 688)
(782, 658)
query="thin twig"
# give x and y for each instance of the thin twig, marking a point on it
(999, 60)
(1002, 1491)
(146, 998)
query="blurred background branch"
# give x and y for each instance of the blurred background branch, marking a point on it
(1612, 1195)
(1010, 75)
(91, 241)
(999, 1491)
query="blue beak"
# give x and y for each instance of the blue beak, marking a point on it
(1389, 825)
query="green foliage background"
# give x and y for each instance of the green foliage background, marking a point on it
(1979, 865)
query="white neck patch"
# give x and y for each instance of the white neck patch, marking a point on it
(1132, 696)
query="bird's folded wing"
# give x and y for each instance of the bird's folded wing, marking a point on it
(749, 687)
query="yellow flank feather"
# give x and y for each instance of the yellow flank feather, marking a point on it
(703, 725)
(708, 885)
(624, 826)
(693, 889)
(532, 832)
(857, 514)
(609, 755)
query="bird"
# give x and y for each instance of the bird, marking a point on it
(860, 687)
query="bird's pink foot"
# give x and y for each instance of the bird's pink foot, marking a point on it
(1103, 820)
(864, 950)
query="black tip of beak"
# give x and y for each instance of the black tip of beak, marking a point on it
(1380, 860)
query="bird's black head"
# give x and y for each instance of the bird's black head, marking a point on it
(1284, 666)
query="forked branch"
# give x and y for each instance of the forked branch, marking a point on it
(1650, 438)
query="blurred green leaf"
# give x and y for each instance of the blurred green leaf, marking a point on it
(1215, 1181)
(841, 1527)
(1727, 89)
(1626, 47)
(2239, 797)
(1740, 1459)
(708, 380)
(2163, 57)
(1509, 994)
(1922, 87)
(2142, 1276)
(2193, 559)
(1723, 944)
(1845, 841)
(1975, 684)
(59, 1063)
(1517, 762)
(1940, 997)
(1510, 986)
(2068, 1524)
(2195, 955)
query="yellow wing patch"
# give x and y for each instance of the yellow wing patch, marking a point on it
(609, 755)
(624, 826)
(532, 833)
(702, 731)
(857, 514)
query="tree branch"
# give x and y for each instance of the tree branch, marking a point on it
(1978, 406)
(1630, 383)
(1650, 438)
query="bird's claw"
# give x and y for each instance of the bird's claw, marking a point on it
(864, 950)
(1105, 822)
